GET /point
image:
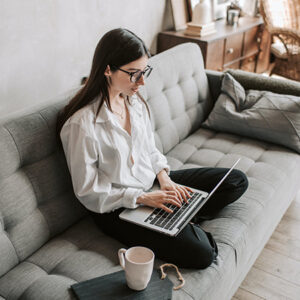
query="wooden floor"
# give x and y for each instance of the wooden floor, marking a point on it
(276, 272)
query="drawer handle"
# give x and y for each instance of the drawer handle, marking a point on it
(258, 40)
(230, 51)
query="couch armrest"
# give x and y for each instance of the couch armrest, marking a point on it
(259, 82)
(214, 81)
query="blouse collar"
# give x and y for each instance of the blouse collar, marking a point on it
(105, 115)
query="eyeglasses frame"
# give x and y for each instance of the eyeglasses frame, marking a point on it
(131, 74)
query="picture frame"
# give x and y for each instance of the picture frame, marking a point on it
(180, 14)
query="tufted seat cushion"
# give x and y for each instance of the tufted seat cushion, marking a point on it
(240, 227)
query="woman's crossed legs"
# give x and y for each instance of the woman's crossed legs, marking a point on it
(192, 247)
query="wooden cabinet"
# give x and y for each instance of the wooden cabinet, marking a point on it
(246, 46)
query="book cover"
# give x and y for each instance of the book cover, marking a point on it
(114, 286)
(200, 26)
(199, 33)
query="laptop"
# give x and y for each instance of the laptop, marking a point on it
(170, 223)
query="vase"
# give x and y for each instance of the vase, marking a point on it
(202, 13)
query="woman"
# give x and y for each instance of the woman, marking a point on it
(108, 141)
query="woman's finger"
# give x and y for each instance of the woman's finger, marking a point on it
(187, 192)
(189, 189)
(173, 201)
(179, 197)
(171, 192)
(168, 210)
(182, 193)
(171, 197)
(176, 194)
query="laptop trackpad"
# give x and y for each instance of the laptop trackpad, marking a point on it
(136, 215)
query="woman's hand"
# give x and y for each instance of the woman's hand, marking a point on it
(167, 184)
(182, 192)
(159, 199)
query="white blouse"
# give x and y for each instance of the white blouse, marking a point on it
(98, 152)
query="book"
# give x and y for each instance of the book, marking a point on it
(200, 29)
(114, 286)
(195, 26)
(199, 33)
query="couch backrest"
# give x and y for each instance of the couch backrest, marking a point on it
(178, 94)
(36, 197)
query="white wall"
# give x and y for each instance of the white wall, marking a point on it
(47, 46)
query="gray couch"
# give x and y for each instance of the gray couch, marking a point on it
(48, 241)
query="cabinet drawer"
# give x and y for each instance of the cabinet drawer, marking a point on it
(251, 42)
(214, 57)
(233, 48)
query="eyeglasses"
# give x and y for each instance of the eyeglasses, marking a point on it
(136, 76)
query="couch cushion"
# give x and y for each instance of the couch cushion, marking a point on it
(177, 93)
(258, 114)
(37, 200)
(254, 81)
(239, 228)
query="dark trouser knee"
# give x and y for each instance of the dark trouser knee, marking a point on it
(211, 252)
(202, 262)
(201, 248)
(230, 190)
(239, 183)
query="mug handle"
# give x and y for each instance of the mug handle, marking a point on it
(121, 254)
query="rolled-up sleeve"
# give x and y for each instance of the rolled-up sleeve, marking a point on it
(91, 186)
(158, 160)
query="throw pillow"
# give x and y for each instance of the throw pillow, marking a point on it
(262, 115)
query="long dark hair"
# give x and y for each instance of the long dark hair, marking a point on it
(116, 48)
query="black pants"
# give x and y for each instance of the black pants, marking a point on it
(192, 247)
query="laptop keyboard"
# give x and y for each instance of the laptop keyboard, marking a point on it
(163, 219)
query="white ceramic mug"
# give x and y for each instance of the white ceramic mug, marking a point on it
(137, 263)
